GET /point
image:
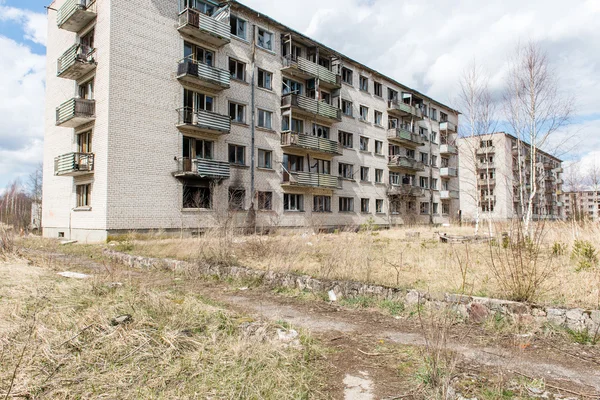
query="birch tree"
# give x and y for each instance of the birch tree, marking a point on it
(536, 109)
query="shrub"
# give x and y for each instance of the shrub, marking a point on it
(584, 254)
(7, 244)
(559, 248)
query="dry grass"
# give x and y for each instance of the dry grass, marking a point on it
(57, 341)
(388, 257)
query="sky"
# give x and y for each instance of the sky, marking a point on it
(425, 44)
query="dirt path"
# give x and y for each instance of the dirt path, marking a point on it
(359, 371)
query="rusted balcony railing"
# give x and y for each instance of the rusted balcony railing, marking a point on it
(74, 15)
(203, 27)
(311, 106)
(191, 71)
(406, 110)
(76, 62)
(313, 70)
(73, 164)
(311, 179)
(75, 112)
(404, 162)
(205, 121)
(405, 189)
(404, 136)
(202, 168)
(311, 143)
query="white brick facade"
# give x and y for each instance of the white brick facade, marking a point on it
(136, 141)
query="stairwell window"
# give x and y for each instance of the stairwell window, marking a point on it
(377, 89)
(265, 119)
(238, 27)
(346, 204)
(425, 158)
(237, 112)
(322, 204)
(84, 195)
(265, 159)
(265, 39)
(423, 182)
(237, 69)
(293, 202)
(265, 79)
(364, 83)
(237, 154)
(433, 114)
(434, 183)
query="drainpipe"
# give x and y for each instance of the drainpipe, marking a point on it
(253, 132)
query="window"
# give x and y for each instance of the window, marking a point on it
(238, 27)
(297, 125)
(392, 94)
(293, 202)
(198, 54)
(87, 41)
(379, 147)
(236, 198)
(84, 195)
(196, 197)
(347, 75)
(237, 69)
(265, 201)
(264, 119)
(434, 160)
(364, 143)
(394, 179)
(346, 171)
(265, 159)
(423, 182)
(86, 90)
(445, 208)
(425, 208)
(347, 107)
(346, 204)
(443, 117)
(265, 39)
(322, 166)
(237, 154)
(364, 174)
(434, 183)
(84, 142)
(322, 203)
(425, 158)
(320, 131)
(364, 83)
(435, 208)
(424, 133)
(197, 148)
(433, 114)
(379, 206)
(434, 137)
(293, 163)
(345, 139)
(445, 162)
(392, 123)
(290, 86)
(378, 118)
(265, 79)
(364, 205)
(364, 113)
(378, 176)
(378, 89)
(410, 153)
(196, 102)
(237, 112)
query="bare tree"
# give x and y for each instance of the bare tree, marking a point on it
(479, 110)
(536, 109)
(34, 186)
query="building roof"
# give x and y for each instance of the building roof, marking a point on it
(338, 54)
(514, 138)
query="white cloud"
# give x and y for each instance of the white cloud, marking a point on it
(34, 24)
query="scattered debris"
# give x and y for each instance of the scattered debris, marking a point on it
(287, 336)
(358, 387)
(243, 289)
(332, 296)
(74, 275)
(445, 238)
(65, 242)
(122, 319)
(113, 285)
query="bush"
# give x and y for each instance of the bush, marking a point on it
(584, 254)
(559, 248)
(7, 243)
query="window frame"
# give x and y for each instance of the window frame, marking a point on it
(237, 63)
(321, 204)
(239, 193)
(264, 113)
(364, 174)
(379, 175)
(347, 73)
(365, 205)
(347, 104)
(236, 160)
(380, 86)
(236, 18)
(267, 156)
(298, 200)
(265, 31)
(363, 83)
(346, 171)
(364, 116)
(264, 199)
(264, 79)
(236, 118)
(346, 204)
(346, 135)
(83, 199)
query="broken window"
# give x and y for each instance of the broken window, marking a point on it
(347, 75)
(265, 201)
(364, 113)
(265, 79)
(378, 89)
(265, 158)
(345, 139)
(236, 198)
(322, 203)
(237, 112)
(265, 39)
(378, 176)
(364, 174)
(364, 83)
(379, 206)
(238, 26)
(197, 196)
(237, 69)
(293, 202)
(346, 170)
(347, 107)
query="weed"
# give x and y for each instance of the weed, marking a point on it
(392, 306)
(584, 337)
(559, 248)
(584, 254)
(358, 302)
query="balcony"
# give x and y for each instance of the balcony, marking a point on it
(559, 204)
(311, 143)
(405, 137)
(448, 149)
(312, 107)
(311, 180)
(447, 172)
(74, 15)
(488, 198)
(448, 126)
(203, 121)
(201, 168)
(558, 170)
(490, 182)
(405, 189)
(449, 194)
(76, 62)
(402, 109)
(405, 163)
(204, 28)
(558, 181)
(202, 75)
(75, 112)
(486, 150)
(306, 69)
(486, 165)
(74, 164)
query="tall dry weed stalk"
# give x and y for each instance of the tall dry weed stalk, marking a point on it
(7, 243)
(521, 262)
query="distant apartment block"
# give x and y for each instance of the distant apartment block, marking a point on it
(582, 205)
(177, 115)
(494, 167)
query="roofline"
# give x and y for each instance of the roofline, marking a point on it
(340, 55)
(515, 138)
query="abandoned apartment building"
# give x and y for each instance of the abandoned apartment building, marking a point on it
(179, 115)
(494, 168)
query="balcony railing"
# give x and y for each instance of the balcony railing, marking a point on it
(449, 194)
(404, 162)
(487, 165)
(76, 62)
(447, 172)
(204, 75)
(204, 121)
(447, 126)
(486, 150)
(448, 149)
(404, 136)
(491, 182)
(73, 164)
(559, 204)
(203, 27)
(311, 143)
(312, 106)
(74, 15)
(405, 189)
(202, 168)
(403, 109)
(313, 70)
(75, 112)
(311, 179)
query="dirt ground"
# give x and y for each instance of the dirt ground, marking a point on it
(374, 355)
